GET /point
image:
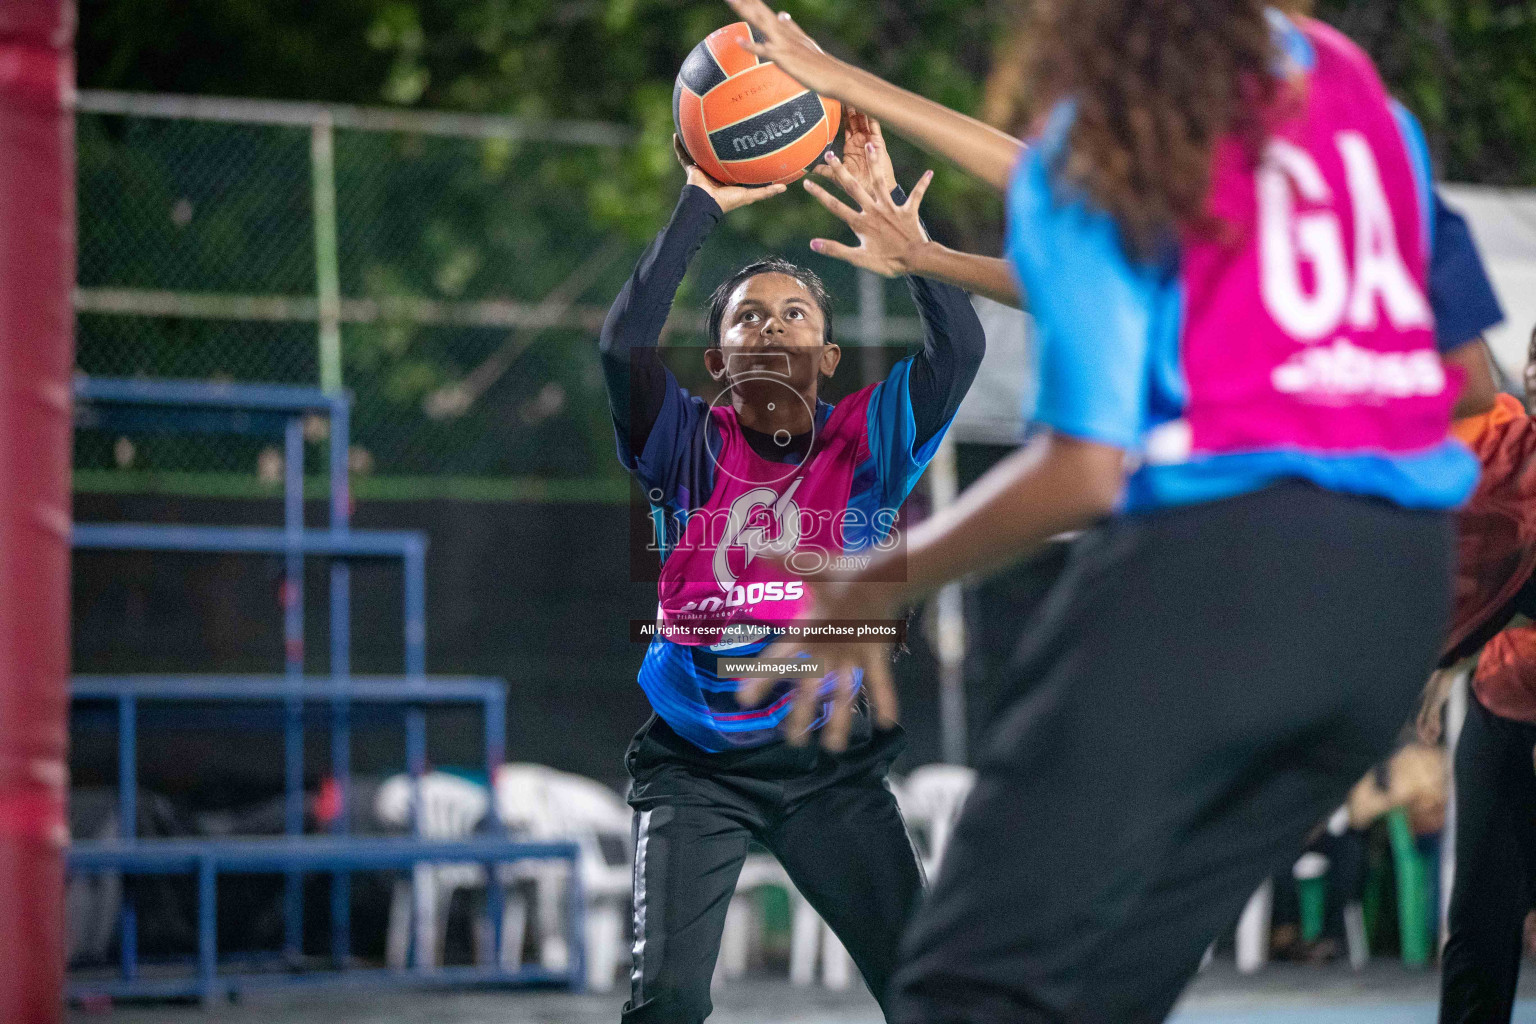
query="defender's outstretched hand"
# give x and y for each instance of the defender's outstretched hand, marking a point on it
(836, 600)
(978, 148)
(891, 236)
(864, 153)
(780, 40)
(729, 197)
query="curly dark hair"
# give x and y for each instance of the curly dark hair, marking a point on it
(1155, 83)
(770, 265)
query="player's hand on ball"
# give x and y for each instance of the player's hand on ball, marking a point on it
(729, 197)
(890, 235)
(864, 153)
(788, 46)
(846, 601)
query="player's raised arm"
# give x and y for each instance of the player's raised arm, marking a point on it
(887, 223)
(636, 378)
(973, 145)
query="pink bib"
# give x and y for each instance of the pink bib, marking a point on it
(1322, 261)
(717, 574)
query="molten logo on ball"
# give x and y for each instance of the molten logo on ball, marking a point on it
(768, 133)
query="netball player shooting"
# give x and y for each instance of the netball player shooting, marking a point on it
(769, 466)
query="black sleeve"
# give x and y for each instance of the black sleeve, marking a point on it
(637, 379)
(953, 345)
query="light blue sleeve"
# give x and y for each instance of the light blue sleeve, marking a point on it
(1418, 155)
(1093, 309)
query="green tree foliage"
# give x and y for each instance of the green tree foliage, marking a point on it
(457, 220)
(1467, 68)
(596, 59)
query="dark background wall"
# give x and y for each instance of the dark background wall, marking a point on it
(537, 594)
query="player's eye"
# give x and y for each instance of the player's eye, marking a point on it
(794, 314)
(748, 316)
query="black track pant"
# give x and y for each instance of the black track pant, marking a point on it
(1495, 867)
(1199, 691)
(829, 819)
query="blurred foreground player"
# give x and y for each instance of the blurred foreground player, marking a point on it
(769, 468)
(1223, 233)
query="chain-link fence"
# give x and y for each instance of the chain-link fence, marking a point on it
(444, 268)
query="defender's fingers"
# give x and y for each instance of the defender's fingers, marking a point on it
(834, 206)
(856, 255)
(851, 185)
(839, 251)
(803, 713)
(881, 687)
(752, 691)
(915, 197)
(781, 648)
(834, 735)
(858, 124)
(788, 23)
(757, 14)
(880, 168)
(824, 171)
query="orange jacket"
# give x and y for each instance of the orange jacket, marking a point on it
(1496, 547)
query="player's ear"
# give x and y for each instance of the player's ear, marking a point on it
(714, 362)
(831, 355)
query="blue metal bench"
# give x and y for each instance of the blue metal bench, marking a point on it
(208, 859)
(175, 406)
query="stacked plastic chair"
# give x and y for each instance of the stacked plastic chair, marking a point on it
(542, 803)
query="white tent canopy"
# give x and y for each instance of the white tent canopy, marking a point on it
(995, 410)
(1503, 222)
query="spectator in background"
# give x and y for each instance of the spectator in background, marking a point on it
(1413, 779)
(1495, 771)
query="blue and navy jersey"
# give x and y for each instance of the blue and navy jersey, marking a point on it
(669, 440)
(677, 467)
(683, 681)
(1459, 290)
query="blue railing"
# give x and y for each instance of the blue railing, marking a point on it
(154, 406)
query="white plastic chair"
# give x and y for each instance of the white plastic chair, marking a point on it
(759, 871)
(931, 799)
(548, 805)
(812, 942)
(451, 808)
(1253, 928)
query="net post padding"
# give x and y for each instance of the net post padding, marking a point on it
(37, 269)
